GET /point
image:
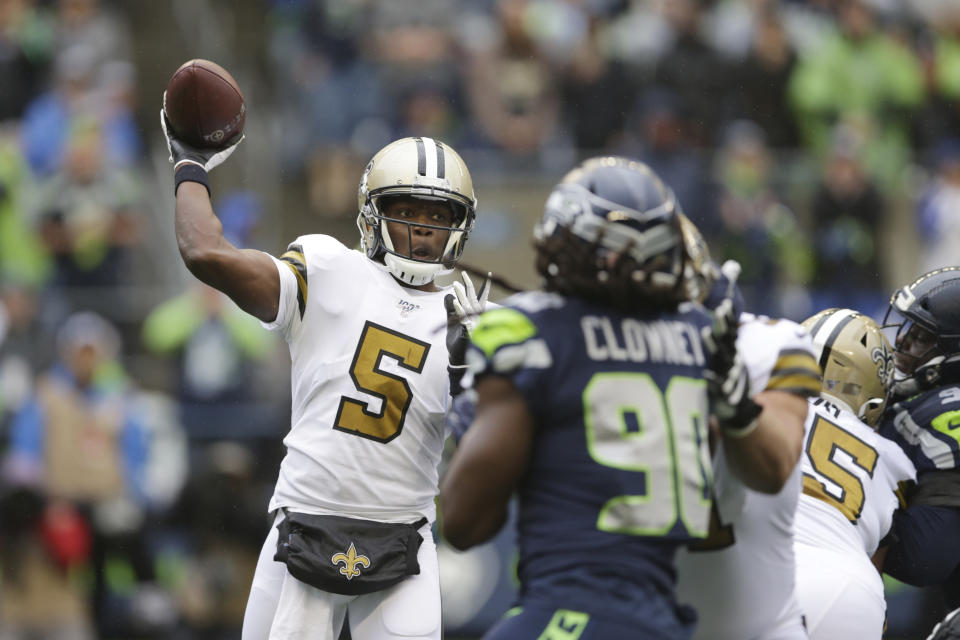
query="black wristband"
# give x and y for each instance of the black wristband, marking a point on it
(744, 421)
(190, 172)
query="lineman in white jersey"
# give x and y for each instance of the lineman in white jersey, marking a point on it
(851, 481)
(740, 578)
(354, 501)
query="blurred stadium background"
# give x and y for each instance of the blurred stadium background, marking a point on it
(816, 141)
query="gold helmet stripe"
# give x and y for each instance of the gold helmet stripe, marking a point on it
(298, 265)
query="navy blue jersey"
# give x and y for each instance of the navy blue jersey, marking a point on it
(620, 474)
(927, 427)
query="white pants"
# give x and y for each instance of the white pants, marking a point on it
(281, 607)
(841, 594)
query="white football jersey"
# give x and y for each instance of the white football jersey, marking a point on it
(741, 578)
(369, 386)
(851, 482)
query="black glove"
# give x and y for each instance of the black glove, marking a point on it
(948, 628)
(457, 341)
(182, 153)
(728, 381)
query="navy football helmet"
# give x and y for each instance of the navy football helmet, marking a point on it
(926, 316)
(948, 628)
(610, 232)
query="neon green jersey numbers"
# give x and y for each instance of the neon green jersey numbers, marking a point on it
(634, 426)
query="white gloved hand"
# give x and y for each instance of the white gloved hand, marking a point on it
(182, 153)
(467, 303)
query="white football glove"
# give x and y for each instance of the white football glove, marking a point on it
(728, 381)
(182, 153)
(467, 304)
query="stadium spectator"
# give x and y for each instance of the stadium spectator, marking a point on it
(26, 50)
(763, 79)
(847, 215)
(22, 255)
(938, 214)
(81, 91)
(863, 77)
(757, 228)
(90, 217)
(81, 447)
(513, 94)
(694, 71)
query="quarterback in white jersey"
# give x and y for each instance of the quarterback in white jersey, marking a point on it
(852, 480)
(367, 332)
(740, 579)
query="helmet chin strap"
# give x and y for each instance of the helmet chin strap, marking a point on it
(412, 272)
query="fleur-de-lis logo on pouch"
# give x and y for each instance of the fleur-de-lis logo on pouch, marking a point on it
(350, 561)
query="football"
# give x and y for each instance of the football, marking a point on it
(204, 105)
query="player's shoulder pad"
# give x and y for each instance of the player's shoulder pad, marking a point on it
(508, 340)
(784, 350)
(306, 251)
(533, 302)
(938, 408)
(504, 325)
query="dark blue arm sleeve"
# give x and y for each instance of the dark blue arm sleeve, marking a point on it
(925, 550)
(462, 411)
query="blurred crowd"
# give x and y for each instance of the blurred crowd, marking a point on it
(792, 130)
(138, 440)
(141, 417)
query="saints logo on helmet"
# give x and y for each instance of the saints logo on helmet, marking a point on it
(856, 359)
(421, 168)
(610, 232)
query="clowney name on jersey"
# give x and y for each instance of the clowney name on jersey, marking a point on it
(368, 383)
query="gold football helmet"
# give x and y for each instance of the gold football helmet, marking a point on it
(418, 168)
(856, 359)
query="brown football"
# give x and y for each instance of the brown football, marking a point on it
(204, 105)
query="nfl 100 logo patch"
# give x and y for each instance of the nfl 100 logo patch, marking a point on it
(406, 307)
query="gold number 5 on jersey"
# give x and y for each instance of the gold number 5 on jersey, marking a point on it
(355, 417)
(826, 439)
